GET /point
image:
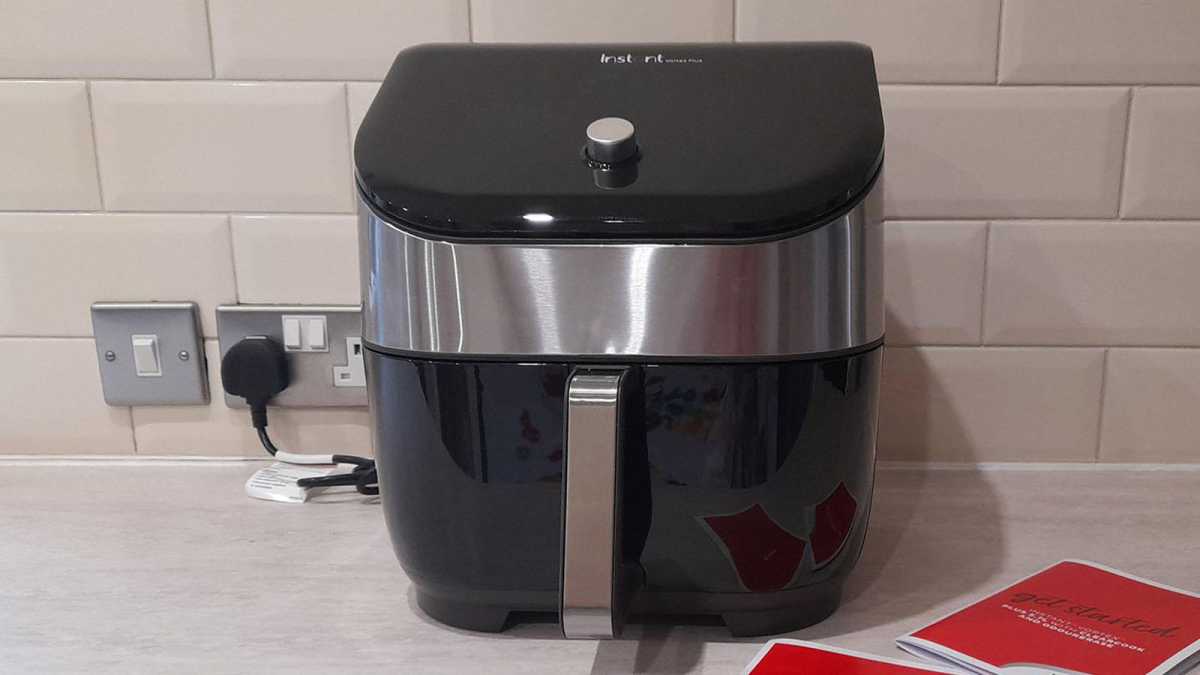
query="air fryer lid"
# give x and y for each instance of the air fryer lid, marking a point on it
(729, 141)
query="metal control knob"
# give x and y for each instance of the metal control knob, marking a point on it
(611, 140)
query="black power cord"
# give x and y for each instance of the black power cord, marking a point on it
(256, 369)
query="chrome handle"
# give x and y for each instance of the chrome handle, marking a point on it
(590, 551)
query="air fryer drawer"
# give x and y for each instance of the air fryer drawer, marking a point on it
(745, 486)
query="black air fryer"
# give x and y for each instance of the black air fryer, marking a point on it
(623, 321)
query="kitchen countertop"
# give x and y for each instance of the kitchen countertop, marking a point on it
(167, 566)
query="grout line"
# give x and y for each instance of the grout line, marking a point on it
(212, 58)
(1035, 220)
(237, 287)
(349, 130)
(1030, 346)
(943, 84)
(189, 80)
(987, 245)
(160, 212)
(15, 338)
(927, 84)
(350, 136)
(884, 465)
(470, 22)
(132, 430)
(1005, 86)
(915, 84)
(999, 40)
(1025, 220)
(733, 28)
(1017, 84)
(1100, 412)
(87, 88)
(282, 214)
(125, 460)
(1125, 155)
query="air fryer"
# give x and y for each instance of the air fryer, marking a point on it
(623, 323)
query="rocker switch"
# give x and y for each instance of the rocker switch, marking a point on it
(314, 330)
(291, 334)
(305, 333)
(145, 356)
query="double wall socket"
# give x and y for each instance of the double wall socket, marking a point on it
(323, 346)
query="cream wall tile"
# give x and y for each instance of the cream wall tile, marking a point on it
(983, 152)
(299, 259)
(1100, 41)
(218, 146)
(53, 402)
(1077, 283)
(215, 429)
(611, 21)
(990, 404)
(54, 266)
(1162, 174)
(361, 95)
(933, 281)
(1150, 401)
(319, 39)
(46, 156)
(913, 40)
(115, 38)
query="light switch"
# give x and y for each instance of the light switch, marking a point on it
(150, 353)
(314, 330)
(304, 333)
(291, 334)
(145, 356)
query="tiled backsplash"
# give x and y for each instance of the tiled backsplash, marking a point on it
(1042, 189)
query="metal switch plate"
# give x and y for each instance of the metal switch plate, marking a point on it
(319, 341)
(150, 353)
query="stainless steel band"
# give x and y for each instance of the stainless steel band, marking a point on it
(819, 291)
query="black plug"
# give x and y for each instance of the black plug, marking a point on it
(256, 369)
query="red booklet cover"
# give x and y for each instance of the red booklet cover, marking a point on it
(795, 657)
(1072, 617)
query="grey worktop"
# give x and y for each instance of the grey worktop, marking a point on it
(169, 567)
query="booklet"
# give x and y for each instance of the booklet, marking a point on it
(1072, 617)
(795, 657)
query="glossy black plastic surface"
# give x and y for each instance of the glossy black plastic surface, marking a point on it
(746, 487)
(736, 141)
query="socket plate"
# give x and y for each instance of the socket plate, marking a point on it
(311, 372)
(177, 327)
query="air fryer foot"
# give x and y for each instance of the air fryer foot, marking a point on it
(823, 601)
(462, 615)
